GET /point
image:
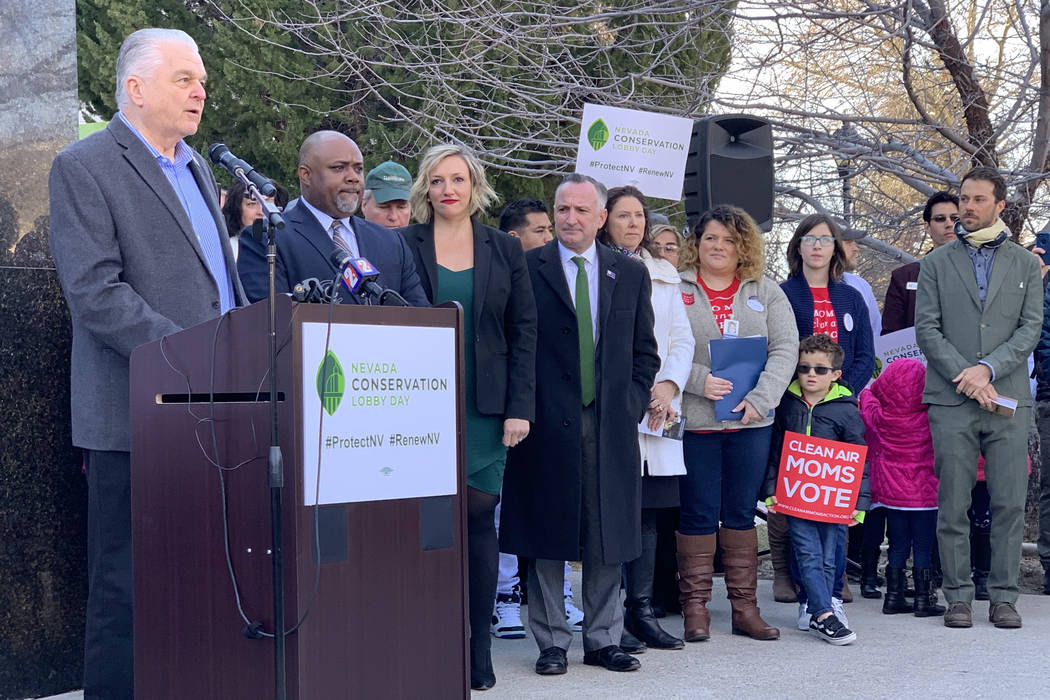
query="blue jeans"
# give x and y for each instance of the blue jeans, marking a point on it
(912, 532)
(816, 547)
(724, 473)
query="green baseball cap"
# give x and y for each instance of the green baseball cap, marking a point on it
(388, 181)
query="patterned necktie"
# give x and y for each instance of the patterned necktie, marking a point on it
(585, 331)
(342, 241)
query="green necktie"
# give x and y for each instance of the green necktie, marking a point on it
(585, 331)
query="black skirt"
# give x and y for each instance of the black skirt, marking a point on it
(660, 492)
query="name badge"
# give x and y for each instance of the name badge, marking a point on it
(911, 286)
(847, 321)
(754, 304)
(731, 328)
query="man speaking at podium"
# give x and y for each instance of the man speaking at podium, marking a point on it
(141, 252)
(321, 220)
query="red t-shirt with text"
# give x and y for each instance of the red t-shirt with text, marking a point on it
(721, 301)
(824, 313)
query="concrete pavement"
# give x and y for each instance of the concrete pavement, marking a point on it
(894, 656)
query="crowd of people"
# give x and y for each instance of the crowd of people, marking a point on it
(585, 338)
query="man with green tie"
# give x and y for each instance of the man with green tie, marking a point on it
(572, 489)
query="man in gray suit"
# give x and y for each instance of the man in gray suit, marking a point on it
(978, 314)
(141, 252)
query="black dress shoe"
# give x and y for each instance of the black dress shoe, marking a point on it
(613, 658)
(552, 662)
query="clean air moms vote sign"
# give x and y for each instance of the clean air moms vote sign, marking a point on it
(383, 402)
(819, 479)
(627, 147)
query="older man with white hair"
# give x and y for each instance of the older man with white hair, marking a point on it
(141, 252)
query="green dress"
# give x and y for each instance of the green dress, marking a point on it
(486, 454)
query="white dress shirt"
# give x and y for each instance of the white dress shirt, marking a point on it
(570, 269)
(326, 223)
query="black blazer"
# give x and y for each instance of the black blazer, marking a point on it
(504, 317)
(303, 248)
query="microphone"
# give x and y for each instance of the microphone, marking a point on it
(359, 276)
(220, 155)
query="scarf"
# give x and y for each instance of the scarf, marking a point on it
(635, 254)
(991, 236)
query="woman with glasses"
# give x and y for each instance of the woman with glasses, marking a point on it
(665, 242)
(822, 302)
(725, 294)
(626, 228)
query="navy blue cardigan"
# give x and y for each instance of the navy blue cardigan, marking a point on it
(857, 343)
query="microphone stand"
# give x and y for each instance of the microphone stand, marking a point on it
(268, 227)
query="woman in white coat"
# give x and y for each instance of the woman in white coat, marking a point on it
(627, 231)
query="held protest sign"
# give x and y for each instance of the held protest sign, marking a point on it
(819, 479)
(896, 346)
(629, 147)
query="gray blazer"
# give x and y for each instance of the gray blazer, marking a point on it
(130, 266)
(954, 332)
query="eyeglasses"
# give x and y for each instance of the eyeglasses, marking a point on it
(811, 241)
(941, 218)
(668, 247)
(806, 369)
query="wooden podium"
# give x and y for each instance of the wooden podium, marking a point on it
(387, 615)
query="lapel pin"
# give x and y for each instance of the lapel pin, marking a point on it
(611, 274)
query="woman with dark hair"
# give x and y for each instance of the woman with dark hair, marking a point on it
(726, 293)
(241, 209)
(823, 303)
(626, 229)
(460, 259)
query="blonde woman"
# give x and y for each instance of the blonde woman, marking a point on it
(459, 259)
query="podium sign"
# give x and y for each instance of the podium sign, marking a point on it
(378, 412)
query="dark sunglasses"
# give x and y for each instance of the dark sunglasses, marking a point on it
(941, 218)
(805, 369)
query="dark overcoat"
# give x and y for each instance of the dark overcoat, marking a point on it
(540, 516)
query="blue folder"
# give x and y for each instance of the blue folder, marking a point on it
(741, 361)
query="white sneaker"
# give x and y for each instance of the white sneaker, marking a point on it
(803, 618)
(840, 613)
(573, 615)
(506, 617)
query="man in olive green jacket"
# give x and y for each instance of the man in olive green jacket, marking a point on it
(978, 315)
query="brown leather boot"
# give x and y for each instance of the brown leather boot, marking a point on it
(696, 566)
(740, 558)
(784, 590)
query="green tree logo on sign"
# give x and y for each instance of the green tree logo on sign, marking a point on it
(598, 134)
(330, 382)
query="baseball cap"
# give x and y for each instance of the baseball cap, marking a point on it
(388, 181)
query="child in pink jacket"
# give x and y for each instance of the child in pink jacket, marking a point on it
(900, 451)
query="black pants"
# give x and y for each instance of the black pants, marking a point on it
(108, 647)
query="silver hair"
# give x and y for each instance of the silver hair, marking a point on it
(579, 179)
(365, 196)
(139, 55)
